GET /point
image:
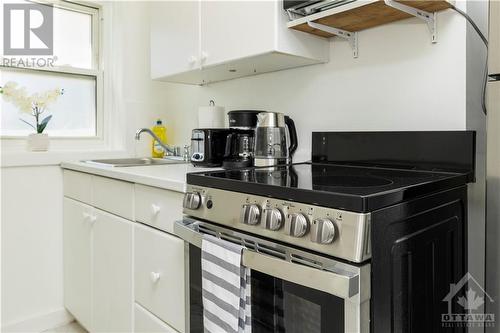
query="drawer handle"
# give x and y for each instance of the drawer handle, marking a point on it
(89, 218)
(154, 277)
(155, 209)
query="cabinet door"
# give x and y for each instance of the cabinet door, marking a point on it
(112, 292)
(236, 29)
(159, 275)
(494, 38)
(174, 37)
(77, 259)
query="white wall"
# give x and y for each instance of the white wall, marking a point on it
(31, 202)
(31, 246)
(399, 82)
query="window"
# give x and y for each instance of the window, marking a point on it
(75, 66)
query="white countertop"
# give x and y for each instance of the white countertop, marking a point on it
(167, 176)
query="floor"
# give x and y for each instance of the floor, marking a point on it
(72, 327)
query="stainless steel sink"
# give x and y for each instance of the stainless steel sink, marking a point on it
(128, 162)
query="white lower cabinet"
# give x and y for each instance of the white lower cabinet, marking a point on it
(77, 259)
(112, 294)
(98, 268)
(146, 322)
(120, 275)
(159, 277)
(157, 207)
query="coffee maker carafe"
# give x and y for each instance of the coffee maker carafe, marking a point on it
(271, 140)
(240, 142)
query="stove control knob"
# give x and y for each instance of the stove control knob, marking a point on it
(297, 225)
(250, 214)
(322, 231)
(192, 200)
(273, 218)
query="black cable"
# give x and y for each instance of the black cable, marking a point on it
(485, 41)
(474, 25)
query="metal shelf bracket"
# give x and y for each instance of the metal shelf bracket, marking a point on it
(351, 37)
(427, 17)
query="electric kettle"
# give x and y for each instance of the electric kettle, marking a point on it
(272, 144)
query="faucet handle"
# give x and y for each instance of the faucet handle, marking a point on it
(177, 151)
(186, 154)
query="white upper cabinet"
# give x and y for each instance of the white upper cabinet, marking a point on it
(234, 39)
(235, 29)
(175, 47)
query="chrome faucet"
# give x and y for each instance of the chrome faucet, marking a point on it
(172, 151)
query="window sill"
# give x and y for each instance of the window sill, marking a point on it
(26, 158)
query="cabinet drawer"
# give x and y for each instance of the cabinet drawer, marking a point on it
(146, 322)
(157, 207)
(77, 185)
(114, 196)
(159, 275)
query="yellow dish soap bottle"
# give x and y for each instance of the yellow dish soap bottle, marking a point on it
(161, 132)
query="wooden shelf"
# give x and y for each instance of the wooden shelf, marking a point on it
(363, 14)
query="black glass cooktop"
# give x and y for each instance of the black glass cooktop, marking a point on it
(359, 189)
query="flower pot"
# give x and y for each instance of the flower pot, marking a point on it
(38, 142)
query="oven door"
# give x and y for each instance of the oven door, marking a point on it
(292, 290)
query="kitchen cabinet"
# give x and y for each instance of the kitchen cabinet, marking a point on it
(231, 40)
(112, 267)
(228, 29)
(97, 268)
(77, 259)
(113, 196)
(157, 207)
(174, 37)
(105, 288)
(159, 275)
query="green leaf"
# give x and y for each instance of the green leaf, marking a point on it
(43, 124)
(24, 121)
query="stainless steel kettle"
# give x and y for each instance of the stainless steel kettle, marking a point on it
(272, 144)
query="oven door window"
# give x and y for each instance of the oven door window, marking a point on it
(277, 305)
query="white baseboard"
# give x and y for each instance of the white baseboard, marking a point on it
(40, 323)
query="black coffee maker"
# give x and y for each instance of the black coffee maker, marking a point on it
(240, 141)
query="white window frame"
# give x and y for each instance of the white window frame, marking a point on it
(95, 11)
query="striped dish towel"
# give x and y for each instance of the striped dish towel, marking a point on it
(226, 287)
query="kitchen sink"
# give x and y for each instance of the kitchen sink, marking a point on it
(128, 162)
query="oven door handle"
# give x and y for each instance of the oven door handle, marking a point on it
(338, 284)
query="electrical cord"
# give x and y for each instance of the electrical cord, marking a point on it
(485, 41)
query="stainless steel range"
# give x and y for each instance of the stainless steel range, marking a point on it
(326, 241)
(334, 232)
